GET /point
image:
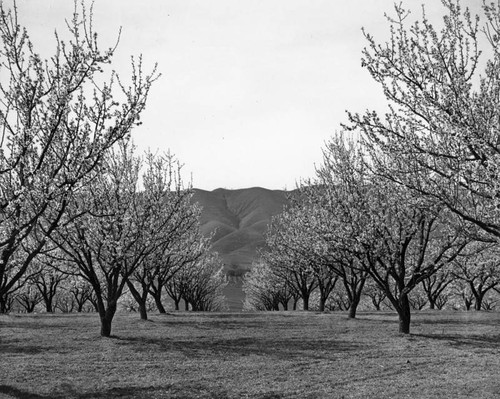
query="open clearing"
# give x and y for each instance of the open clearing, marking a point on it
(254, 355)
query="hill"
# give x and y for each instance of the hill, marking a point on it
(239, 219)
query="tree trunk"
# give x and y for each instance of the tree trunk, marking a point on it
(106, 327)
(353, 307)
(404, 313)
(432, 304)
(305, 301)
(143, 311)
(106, 316)
(176, 304)
(48, 305)
(322, 302)
(186, 305)
(4, 308)
(478, 302)
(158, 303)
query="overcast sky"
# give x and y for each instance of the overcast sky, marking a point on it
(250, 89)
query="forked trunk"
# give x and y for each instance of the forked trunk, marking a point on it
(106, 316)
(478, 302)
(140, 298)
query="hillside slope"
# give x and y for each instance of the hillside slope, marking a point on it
(239, 219)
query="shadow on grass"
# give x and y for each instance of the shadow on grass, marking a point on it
(464, 340)
(169, 391)
(279, 347)
(462, 321)
(211, 324)
(22, 349)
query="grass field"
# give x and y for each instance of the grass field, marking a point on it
(254, 355)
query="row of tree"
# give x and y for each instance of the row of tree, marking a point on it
(76, 203)
(468, 283)
(411, 193)
(198, 284)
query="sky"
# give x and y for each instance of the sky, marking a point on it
(250, 90)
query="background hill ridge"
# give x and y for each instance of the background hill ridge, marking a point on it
(239, 219)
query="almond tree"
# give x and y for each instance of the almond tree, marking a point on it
(183, 251)
(56, 123)
(28, 297)
(375, 293)
(166, 196)
(264, 290)
(479, 269)
(109, 243)
(48, 281)
(199, 283)
(286, 255)
(398, 238)
(332, 244)
(203, 288)
(436, 287)
(440, 135)
(80, 291)
(418, 298)
(461, 290)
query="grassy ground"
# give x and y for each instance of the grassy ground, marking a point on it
(268, 355)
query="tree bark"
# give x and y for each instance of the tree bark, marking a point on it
(106, 327)
(3, 305)
(48, 305)
(478, 303)
(353, 308)
(143, 311)
(305, 301)
(322, 302)
(140, 299)
(106, 316)
(159, 304)
(404, 313)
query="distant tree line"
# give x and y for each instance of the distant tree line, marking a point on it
(405, 206)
